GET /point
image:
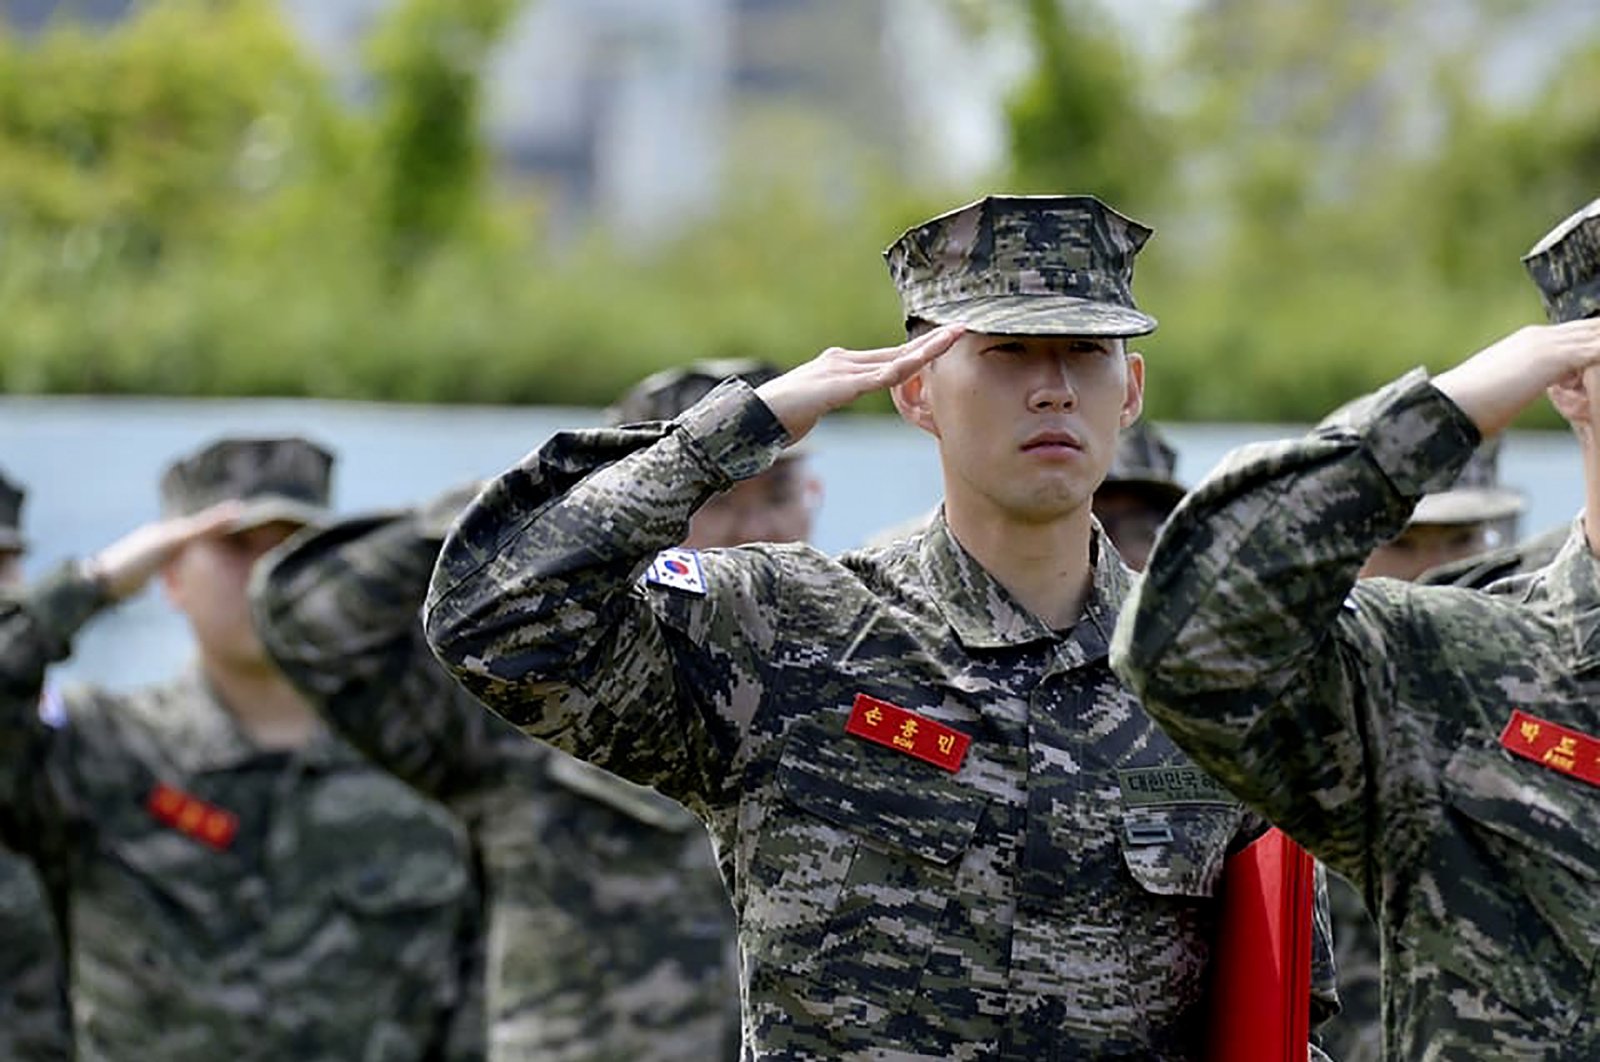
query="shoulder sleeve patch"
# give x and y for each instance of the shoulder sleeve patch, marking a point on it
(678, 569)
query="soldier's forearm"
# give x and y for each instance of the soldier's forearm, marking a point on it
(526, 583)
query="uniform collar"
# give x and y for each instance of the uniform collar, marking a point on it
(984, 615)
(201, 734)
(1571, 587)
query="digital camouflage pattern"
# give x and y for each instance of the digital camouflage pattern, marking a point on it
(34, 1026)
(610, 937)
(1481, 571)
(1053, 898)
(1355, 1034)
(1565, 266)
(326, 921)
(33, 1002)
(1365, 719)
(285, 478)
(1023, 265)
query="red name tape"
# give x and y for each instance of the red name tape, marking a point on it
(915, 735)
(1552, 745)
(192, 817)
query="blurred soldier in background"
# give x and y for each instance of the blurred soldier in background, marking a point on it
(1139, 493)
(34, 1025)
(236, 883)
(610, 930)
(1473, 515)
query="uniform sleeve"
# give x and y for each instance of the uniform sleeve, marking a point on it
(339, 610)
(537, 605)
(1248, 638)
(36, 629)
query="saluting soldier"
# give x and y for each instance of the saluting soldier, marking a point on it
(236, 883)
(1438, 747)
(610, 931)
(929, 794)
(34, 1026)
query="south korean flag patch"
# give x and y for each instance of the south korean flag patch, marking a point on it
(678, 569)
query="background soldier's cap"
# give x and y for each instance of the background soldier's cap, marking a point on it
(1045, 265)
(11, 497)
(1566, 266)
(668, 393)
(278, 479)
(1147, 463)
(1476, 497)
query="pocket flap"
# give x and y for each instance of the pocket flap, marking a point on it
(1179, 849)
(889, 797)
(1542, 810)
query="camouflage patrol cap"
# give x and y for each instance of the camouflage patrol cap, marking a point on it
(1045, 265)
(1475, 497)
(1566, 266)
(11, 497)
(666, 394)
(1146, 462)
(279, 479)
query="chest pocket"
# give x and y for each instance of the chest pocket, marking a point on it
(857, 861)
(1178, 849)
(1521, 884)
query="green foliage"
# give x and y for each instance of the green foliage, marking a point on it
(189, 209)
(1081, 120)
(429, 59)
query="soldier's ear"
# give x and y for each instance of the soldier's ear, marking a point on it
(1133, 395)
(911, 399)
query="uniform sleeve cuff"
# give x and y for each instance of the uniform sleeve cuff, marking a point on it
(733, 432)
(1417, 436)
(63, 602)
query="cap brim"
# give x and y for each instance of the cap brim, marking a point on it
(1471, 505)
(260, 512)
(1041, 315)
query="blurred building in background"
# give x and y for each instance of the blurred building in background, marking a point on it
(638, 113)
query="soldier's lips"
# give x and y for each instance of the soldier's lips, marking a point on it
(1053, 444)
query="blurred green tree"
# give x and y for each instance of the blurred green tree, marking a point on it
(428, 60)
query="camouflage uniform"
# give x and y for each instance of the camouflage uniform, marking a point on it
(609, 931)
(1373, 721)
(33, 1001)
(1477, 573)
(223, 901)
(1048, 899)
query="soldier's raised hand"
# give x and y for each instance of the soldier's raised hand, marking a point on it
(1495, 384)
(124, 567)
(836, 377)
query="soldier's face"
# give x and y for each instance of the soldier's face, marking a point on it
(208, 580)
(1027, 424)
(1423, 546)
(1132, 520)
(776, 506)
(10, 568)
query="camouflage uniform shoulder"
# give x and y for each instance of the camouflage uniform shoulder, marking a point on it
(1480, 571)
